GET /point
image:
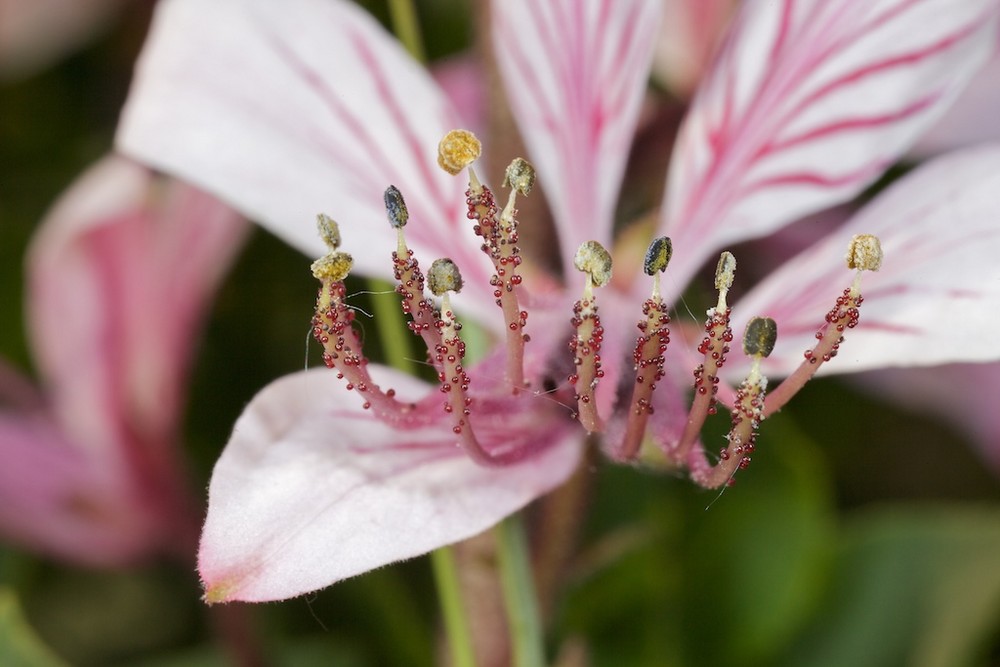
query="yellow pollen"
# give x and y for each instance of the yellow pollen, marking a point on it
(520, 176)
(457, 150)
(864, 253)
(335, 266)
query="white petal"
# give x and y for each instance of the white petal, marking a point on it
(808, 102)
(936, 298)
(575, 72)
(289, 109)
(312, 489)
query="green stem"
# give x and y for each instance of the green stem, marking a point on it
(395, 335)
(450, 595)
(519, 594)
(407, 27)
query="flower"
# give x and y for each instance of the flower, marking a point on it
(807, 103)
(119, 274)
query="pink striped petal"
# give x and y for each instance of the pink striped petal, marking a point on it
(575, 73)
(938, 292)
(294, 108)
(807, 103)
(311, 489)
(119, 275)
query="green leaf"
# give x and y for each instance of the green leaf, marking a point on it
(19, 646)
(913, 586)
(758, 555)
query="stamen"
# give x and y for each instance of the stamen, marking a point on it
(409, 277)
(864, 253)
(595, 262)
(332, 328)
(456, 151)
(714, 348)
(748, 412)
(650, 346)
(443, 278)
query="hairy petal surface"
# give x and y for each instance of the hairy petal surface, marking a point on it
(291, 109)
(937, 293)
(312, 489)
(575, 72)
(807, 103)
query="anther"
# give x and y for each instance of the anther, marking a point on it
(444, 277)
(457, 150)
(864, 253)
(334, 266)
(658, 256)
(520, 176)
(593, 260)
(329, 231)
(725, 273)
(395, 207)
(759, 337)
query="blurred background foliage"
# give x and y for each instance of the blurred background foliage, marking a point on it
(861, 535)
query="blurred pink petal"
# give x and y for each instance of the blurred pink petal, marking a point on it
(119, 275)
(33, 33)
(809, 102)
(938, 289)
(575, 73)
(309, 492)
(688, 38)
(326, 112)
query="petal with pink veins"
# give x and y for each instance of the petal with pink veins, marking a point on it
(575, 73)
(937, 293)
(291, 109)
(312, 489)
(807, 103)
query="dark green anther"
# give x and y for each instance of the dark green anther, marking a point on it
(759, 338)
(395, 207)
(658, 255)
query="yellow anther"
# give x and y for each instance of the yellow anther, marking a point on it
(334, 266)
(591, 258)
(458, 150)
(864, 253)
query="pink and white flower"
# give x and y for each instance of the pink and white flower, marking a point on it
(308, 106)
(119, 275)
